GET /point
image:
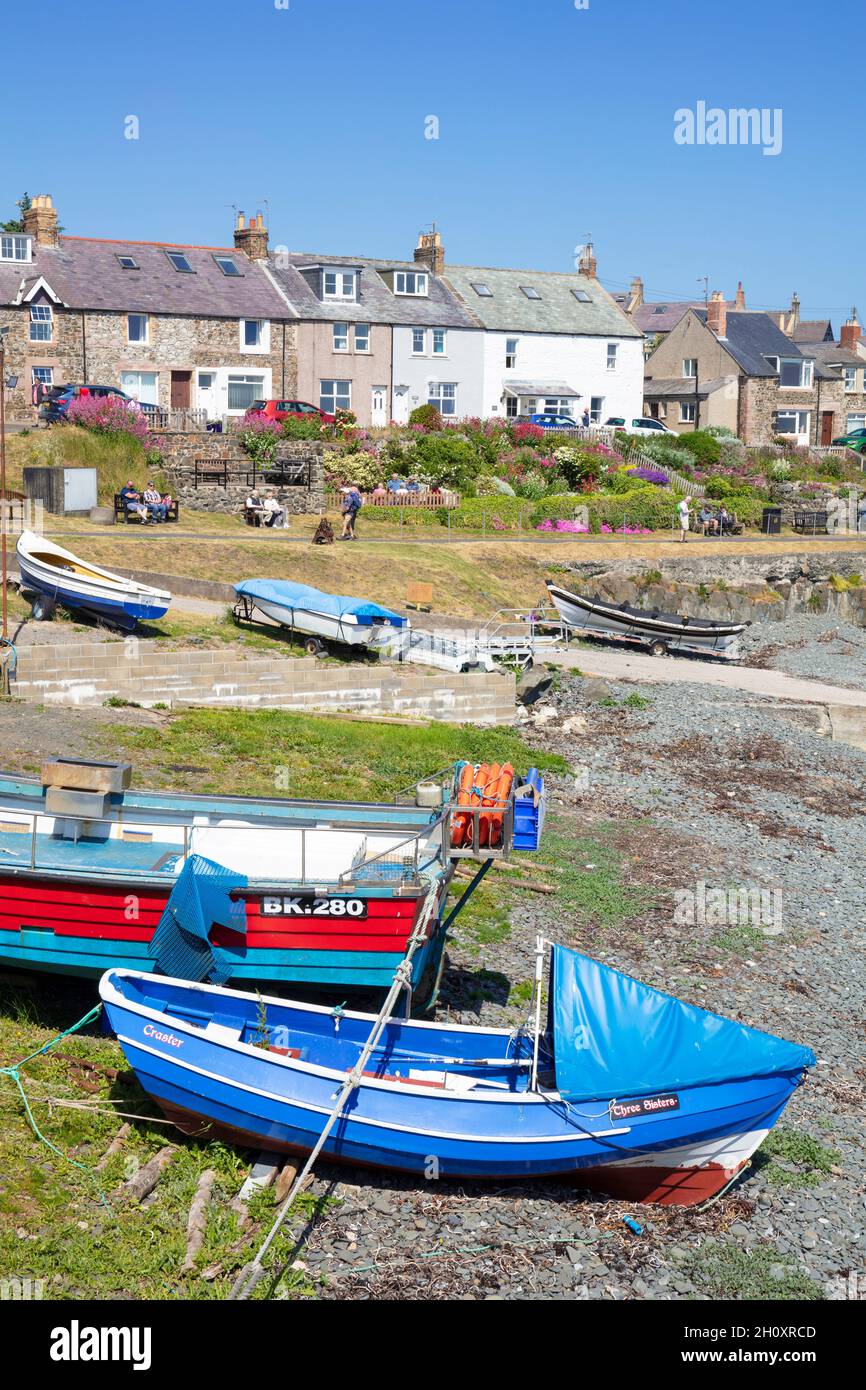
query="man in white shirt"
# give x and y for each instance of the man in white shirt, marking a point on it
(274, 513)
(683, 510)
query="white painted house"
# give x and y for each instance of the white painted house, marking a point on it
(550, 342)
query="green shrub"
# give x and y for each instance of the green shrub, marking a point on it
(446, 459)
(426, 415)
(702, 445)
(306, 428)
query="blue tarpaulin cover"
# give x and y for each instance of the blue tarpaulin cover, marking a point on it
(615, 1037)
(181, 945)
(303, 596)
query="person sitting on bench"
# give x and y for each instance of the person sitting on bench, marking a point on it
(709, 525)
(255, 508)
(155, 505)
(275, 515)
(131, 499)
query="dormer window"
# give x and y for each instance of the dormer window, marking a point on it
(795, 372)
(530, 291)
(15, 248)
(127, 263)
(180, 262)
(412, 282)
(338, 284)
(41, 323)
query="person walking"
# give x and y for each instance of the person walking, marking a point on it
(683, 511)
(350, 509)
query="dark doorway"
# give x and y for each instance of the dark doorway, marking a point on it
(181, 386)
(826, 426)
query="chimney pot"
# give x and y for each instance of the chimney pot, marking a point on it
(40, 221)
(740, 302)
(251, 237)
(587, 264)
(851, 332)
(430, 252)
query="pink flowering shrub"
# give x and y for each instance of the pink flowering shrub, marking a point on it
(112, 415)
(577, 528)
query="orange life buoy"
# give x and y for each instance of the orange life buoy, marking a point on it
(500, 800)
(482, 774)
(464, 798)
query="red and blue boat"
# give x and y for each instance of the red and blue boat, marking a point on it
(329, 892)
(625, 1089)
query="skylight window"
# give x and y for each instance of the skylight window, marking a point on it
(227, 265)
(128, 262)
(483, 290)
(581, 296)
(530, 291)
(180, 262)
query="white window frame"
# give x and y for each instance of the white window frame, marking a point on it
(690, 368)
(805, 366)
(443, 394)
(339, 337)
(136, 392)
(612, 356)
(511, 347)
(856, 420)
(256, 381)
(512, 407)
(362, 342)
(797, 416)
(43, 374)
(850, 379)
(439, 335)
(340, 400)
(688, 412)
(596, 411)
(41, 315)
(263, 341)
(344, 284)
(15, 247)
(422, 350)
(411, 283)
(145, 339)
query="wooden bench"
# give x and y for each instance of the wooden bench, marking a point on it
(120, 510)
(810, 522)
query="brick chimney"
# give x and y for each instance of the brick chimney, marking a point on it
(252, 237)
(40, 221)
(740, 301)
(587, 264)
(717, 314)
(849, 337)
(635, 295)
(431, 252)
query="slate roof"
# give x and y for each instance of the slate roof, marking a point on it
(750, 337)
(508, 309)
(680, 386)
(662, 317)
(539, 388)
(813, 331)
(830, 358)
(376, 302)
(86, 274)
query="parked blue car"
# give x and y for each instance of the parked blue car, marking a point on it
(550, 421)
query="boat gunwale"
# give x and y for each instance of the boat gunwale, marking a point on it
(702, 626)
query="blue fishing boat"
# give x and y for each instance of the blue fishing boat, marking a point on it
(52, 575)
(625, 1088)
(318, 617)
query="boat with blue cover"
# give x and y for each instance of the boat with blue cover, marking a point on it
(318, 616)
(624, 1088)
(52, 575)
(330, 890)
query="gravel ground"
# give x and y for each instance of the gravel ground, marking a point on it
(694, 785)
(818, 647)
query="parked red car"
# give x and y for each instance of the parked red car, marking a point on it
(286, 410)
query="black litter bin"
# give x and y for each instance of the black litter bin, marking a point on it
(771, 521)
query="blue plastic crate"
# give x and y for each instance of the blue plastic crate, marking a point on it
(530, 806)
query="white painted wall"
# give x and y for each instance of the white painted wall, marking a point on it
(460, 363)
(475, 360)
(580, 362)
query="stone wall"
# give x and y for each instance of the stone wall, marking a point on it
(147, 674)
(180, 451)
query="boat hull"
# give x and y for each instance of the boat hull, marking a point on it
(124, 606)
(719, 639)
(206, 1077)
(345, 630)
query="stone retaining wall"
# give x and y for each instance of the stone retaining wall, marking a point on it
(147, 674)
(180, 451)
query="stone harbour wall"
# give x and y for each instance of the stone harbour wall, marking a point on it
(181, 449)
(146, 674)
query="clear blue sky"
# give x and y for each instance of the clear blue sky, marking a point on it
(554, 122)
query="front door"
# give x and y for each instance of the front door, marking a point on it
(401, 405)
(826, 426)
(206, 395)
(181, 383)
(379, 406)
